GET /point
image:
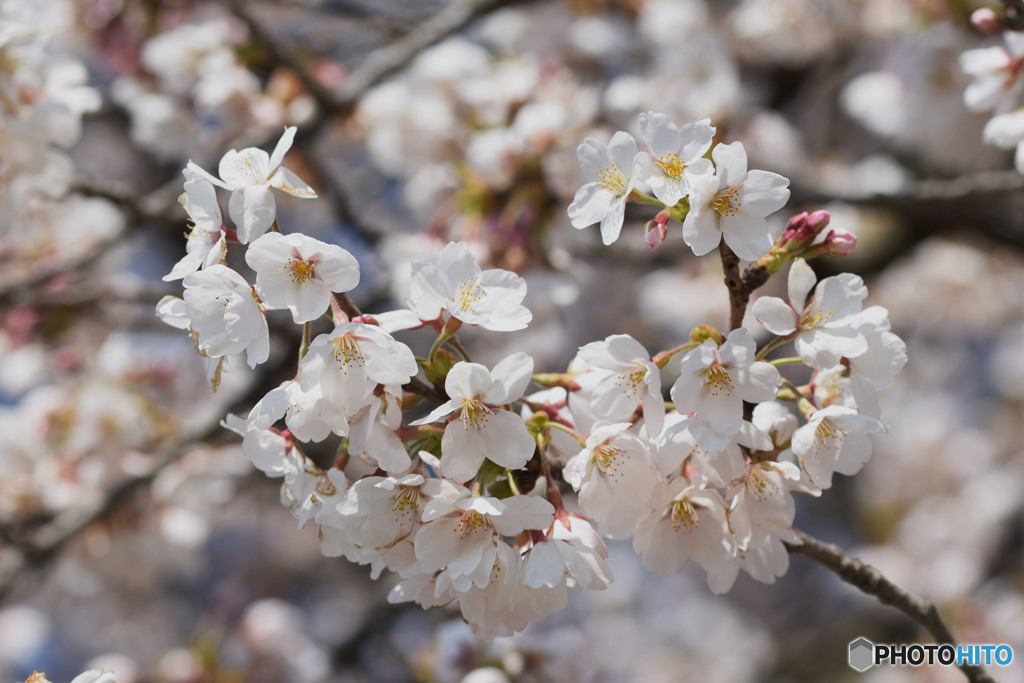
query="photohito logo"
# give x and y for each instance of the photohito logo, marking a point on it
(864, 654)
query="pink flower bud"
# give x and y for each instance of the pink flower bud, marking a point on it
(803, 228)
(987, 21)
(656, 230)
(839, 242)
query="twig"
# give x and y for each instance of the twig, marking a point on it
(869, 580)
(738, 294)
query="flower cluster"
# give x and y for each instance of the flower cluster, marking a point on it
(719, 201)
(463, 500)
(996, 87)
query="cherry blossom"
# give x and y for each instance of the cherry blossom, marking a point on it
(225, 314)
(835, 439)
(715, 381)
(250, 174)
(995, 74)
(732, 204)
(451, 280)
(822, 325)
(609, 169)
(206, 244)
(625, 376)
(351, 361)
(481, 428)
(687, 522)
(615, 476)
(299, 273)
(677, 156)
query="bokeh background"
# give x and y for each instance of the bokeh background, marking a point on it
(135, 535)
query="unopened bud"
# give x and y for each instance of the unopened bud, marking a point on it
(802, 230)
(987, 21)
(703, 333)
(840, 242)
(656, 230)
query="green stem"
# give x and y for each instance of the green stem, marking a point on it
(771, 346)
(457, 345)
(576, 435)
(663, 358)
(786, 361)
(304, 346)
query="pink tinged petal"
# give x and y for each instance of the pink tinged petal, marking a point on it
(747, 234)
(701, 230)
(246, 168)
(594, 157)
(731, 163)
(282, 147)
(590, 205)
(801, 282)
(984, 61)
(661, 552)
(286, 181)
(623, 151)
(510, 378)
(775, 315)
(611, 223)
(253, 210)
(764, 192)
(523, 512)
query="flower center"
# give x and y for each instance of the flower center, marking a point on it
(760, 486)
(468, 293)
(718, 380)
(609, 460)
(472, 523)
(609, 178)
(726, 202)
(347, 352)
(814, 316)
(827, 436)
(672, 165)
(632, 382)
(684, 516)
(474, 413)
(302, 271)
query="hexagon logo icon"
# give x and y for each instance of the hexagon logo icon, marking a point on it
(862, 654)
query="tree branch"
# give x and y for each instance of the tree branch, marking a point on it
(738, 294)
(869, 580)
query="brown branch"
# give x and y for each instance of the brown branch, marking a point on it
(738, 294)
(869, 580)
